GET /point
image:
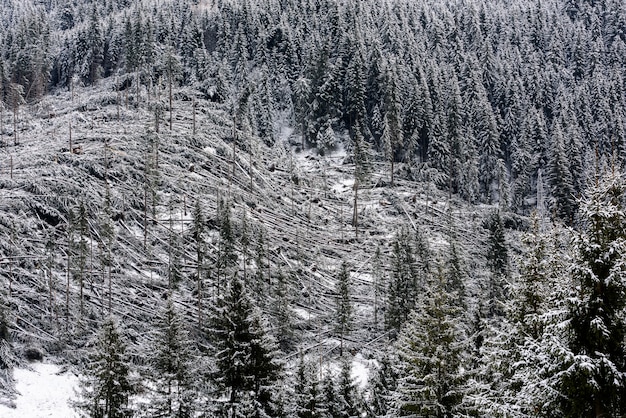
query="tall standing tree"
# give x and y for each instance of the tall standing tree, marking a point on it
(362, 170)
(431, 381)
(590, 365)
(7, 357)
(247, 366)
(498, 263)
(106, 386)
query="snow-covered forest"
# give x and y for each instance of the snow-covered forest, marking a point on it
(315, 208)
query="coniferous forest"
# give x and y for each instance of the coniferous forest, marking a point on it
(315, 208)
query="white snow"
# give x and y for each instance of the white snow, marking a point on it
(43, 391)
(360, 371)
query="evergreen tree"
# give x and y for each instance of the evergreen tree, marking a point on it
(590, 366)
(349, 399)
(282, 313)
(431, 381)
(172, 363)
(105, 386)
(308, 400)
(332, 405)
(410, 265)
(561, 180)
(247, 367)
(382, 386)
(7, 356)
(498, 263)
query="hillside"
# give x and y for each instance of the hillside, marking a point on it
(316, 208)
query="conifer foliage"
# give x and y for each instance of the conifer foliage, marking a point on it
(247, 366)
(106, 386)
(590, 373)
(429, 354)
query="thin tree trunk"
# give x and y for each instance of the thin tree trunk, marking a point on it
(109, 274)
(194, 116)
(15, 140)
(170, 88)
(355, 214)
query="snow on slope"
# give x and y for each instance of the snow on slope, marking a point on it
(44, 390)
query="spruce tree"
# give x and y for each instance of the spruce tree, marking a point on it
(382, 386)
(7, 356)
(282, 313)
(591, 368)
(307, 401)
(349, 399)
(172, 364)
(247, 367)
(498, 263)
(431, 381)
(106, 386)
(561, 180)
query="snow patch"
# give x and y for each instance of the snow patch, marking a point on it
(44, 390)
(360, 371)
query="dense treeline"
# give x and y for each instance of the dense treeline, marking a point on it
(487, 99)
(487, 94)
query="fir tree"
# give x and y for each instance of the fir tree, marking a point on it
(561, 180)
(172, 363)
(7, 356)
(590, 370)
(431, 381)
(105, 386)
(246, 360)
(382, 386)
(349, 399)
(282, 313)
(498, 263)
(307, 401)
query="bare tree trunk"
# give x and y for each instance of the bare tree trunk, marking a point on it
(170, 88)
(355, 213)
(118, 100)
(15, 109)
(67, 285)
(109, 276)
(194, 116)
(71, 149)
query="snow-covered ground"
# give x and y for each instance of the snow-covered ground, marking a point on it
(44, 390)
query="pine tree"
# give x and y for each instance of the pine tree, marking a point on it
(332, 406)
(246, 360)
(590, 370)
(106, 387)
(172, 365)
(7, 356)
(349, 399)
(227, 257)
(382, 386)
(404, 283)
(431, 381)
(307, 400)
(282, 313)
(498, 263)
(561, 180)
(362, 169)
